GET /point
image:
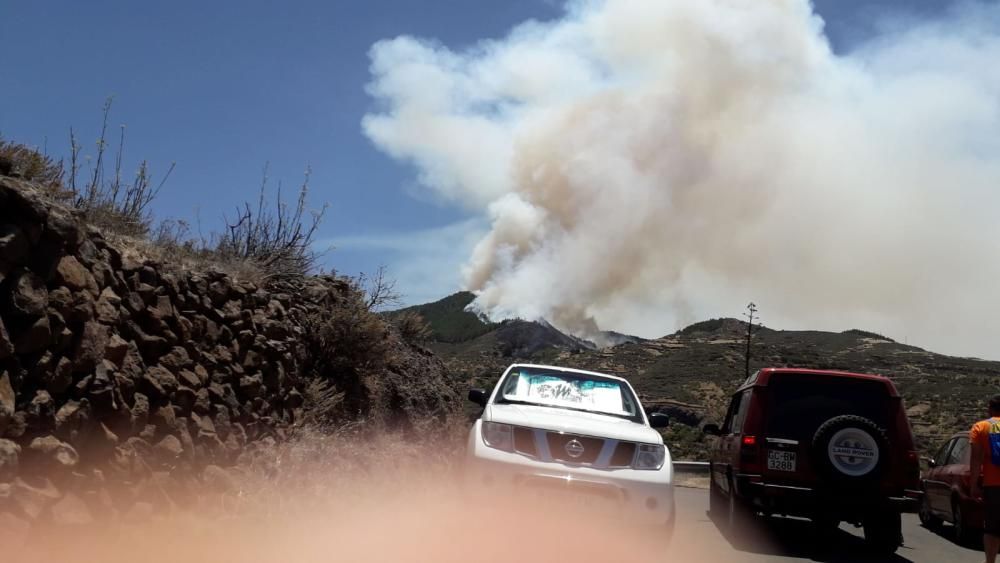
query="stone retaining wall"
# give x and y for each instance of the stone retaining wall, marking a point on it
(118, 371)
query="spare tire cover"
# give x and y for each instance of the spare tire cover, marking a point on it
(853, 452)
(851, 449)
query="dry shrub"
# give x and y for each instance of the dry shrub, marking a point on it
(278, 238)
(263, 243)
(107, 199)
(30, 164)
(103, 196)
(323, 404)
(265, 240)
(343, 343)
(412, 326)
(174, 236)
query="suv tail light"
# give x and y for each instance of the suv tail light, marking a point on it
(752, 443)
(749, 454)
(912, 470)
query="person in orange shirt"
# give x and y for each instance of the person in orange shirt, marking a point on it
(985, 462)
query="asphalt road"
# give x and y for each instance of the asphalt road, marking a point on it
(781, 539)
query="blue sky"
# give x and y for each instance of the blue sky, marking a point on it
(222, 87)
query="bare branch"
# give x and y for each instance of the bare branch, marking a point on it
(380, 290)
(278, 239)
(112, 203)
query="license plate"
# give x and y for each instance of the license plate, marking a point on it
(778, 460)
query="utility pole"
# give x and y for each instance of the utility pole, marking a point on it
(751, 315)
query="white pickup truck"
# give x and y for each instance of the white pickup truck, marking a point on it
(546, 428)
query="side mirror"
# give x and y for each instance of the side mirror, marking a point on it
(478, 396)
(659, 420)
(930, 462)
(712, 430)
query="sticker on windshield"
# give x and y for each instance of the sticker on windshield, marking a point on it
(604, 396)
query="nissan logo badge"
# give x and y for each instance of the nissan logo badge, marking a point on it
(574, 448)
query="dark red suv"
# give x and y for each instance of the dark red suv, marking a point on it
(827, 445)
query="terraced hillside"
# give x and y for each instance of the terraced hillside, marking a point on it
(690, 374)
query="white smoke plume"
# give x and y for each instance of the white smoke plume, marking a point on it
(650, 163)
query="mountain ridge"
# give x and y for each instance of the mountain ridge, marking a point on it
(449, 320)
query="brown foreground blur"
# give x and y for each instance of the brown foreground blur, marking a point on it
(375, 500)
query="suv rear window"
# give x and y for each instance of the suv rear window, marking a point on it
(799, 403)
